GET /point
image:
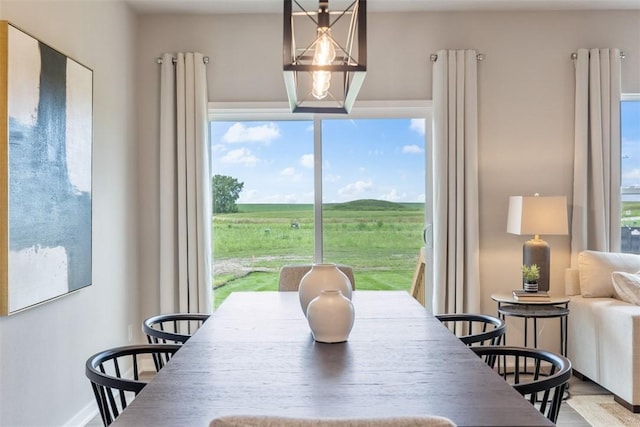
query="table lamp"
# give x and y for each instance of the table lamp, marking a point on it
(536, 215)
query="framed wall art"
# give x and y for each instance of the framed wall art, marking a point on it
(46, 131)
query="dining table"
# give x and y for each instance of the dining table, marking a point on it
(256, 355)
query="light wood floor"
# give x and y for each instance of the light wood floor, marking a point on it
(568, 417)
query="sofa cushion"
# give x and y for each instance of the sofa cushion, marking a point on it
(595, 268)
(626, 286)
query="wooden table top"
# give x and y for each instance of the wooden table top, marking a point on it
(256, 356)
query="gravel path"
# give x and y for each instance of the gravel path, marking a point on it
(244, 266)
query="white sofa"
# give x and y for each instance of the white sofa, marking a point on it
(604, 330)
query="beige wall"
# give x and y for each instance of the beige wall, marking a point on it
(43, 350)
(525, 95)
(526, 114)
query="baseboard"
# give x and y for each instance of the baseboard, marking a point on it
(581, 377)
(82, 418)
(620, 401)
(147, 367)
(633, 408)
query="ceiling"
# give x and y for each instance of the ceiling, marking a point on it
(275, 6)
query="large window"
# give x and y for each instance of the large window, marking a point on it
(373, 192)
(630, 173)
(347, 190)
(271, 221)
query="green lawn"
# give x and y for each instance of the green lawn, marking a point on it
(399, 280)
(631, 214)
(380, 240)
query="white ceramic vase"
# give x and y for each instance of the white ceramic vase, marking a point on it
(330, 317)
(319, 278)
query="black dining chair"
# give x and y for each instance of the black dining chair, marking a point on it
(118, 374)
(175, 328)
(539, 375)
(474, 329)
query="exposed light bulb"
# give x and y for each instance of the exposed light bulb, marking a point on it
(324, 54)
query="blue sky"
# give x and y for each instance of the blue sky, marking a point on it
(630, 117)
(362, 159)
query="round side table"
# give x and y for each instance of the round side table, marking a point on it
(534, 310)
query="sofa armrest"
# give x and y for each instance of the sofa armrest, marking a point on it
(571, 281)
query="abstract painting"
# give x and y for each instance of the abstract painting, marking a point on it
(46, 131)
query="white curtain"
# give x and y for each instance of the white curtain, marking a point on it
(185, 181)
(596, 176)
(456, 286)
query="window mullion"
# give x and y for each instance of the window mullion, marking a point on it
(317, 185)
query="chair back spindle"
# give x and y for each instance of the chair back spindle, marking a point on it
(175, 328)
(116, 375)
(540, 376)
(474, 329)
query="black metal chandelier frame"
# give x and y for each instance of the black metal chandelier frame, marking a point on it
(351, 70)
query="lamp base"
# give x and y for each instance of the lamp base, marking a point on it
(537, 251)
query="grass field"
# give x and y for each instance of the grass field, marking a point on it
(380, 240)
(631, 214)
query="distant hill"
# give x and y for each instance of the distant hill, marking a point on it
(370, 205)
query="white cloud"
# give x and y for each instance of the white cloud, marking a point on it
(248, 196)
(241, 156)
(290, 175)
(418, 125)
(632, 174)
(356, 188)
(218, 148)
(254, 196)
(284, 198)
(307, 160)
(393, 196)
(239, 132)
(412, 149)
(288, 172)
(331, 178)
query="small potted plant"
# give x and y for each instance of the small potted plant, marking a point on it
(530, 276)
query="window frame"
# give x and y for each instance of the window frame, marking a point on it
(279, 111)
(624, 97)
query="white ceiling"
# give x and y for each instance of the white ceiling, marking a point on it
(275, 6)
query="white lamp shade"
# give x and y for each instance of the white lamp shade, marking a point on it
(535, 215)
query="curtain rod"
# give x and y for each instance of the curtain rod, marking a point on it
(434, 57)
(205, 59)
(574, 55)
